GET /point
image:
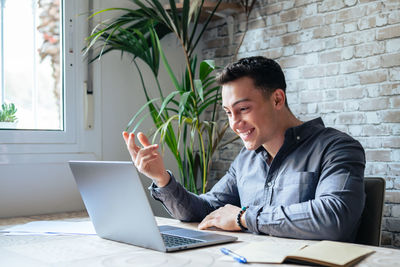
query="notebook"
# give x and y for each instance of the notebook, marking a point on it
(324, 253)
(116, 202)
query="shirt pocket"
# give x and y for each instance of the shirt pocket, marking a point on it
(294, 187)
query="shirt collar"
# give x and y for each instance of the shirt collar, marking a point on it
(304, 130)
(297, 133)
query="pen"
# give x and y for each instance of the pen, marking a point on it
(234, 255)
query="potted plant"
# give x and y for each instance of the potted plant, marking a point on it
(7, 116)
(179, 117)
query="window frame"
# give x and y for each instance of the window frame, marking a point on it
(19, 145)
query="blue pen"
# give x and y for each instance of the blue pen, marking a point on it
(234, 255)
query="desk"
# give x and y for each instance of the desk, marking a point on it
(94, 251)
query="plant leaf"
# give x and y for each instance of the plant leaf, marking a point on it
(206, 67)
(167, 100)
(140, 111)
(199, 88)
(182, 104)
(167, 66)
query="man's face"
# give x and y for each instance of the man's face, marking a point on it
(251, 115)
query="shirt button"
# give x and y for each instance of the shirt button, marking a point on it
(298, 137)
(269, 184)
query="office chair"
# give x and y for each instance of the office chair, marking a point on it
(369, 231)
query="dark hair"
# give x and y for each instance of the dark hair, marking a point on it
(266, 74)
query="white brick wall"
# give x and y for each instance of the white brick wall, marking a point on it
(341, 59)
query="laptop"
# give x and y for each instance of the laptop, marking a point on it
(117, 204)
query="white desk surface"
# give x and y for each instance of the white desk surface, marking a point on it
(94, 251)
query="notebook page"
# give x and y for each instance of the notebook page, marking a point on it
(266, 251)
(336, 253)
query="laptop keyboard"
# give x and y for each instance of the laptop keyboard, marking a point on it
(177, 241)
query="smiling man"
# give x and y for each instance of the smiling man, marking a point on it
(291, 179)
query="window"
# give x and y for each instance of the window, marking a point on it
(31, 63)
(35, 177)
(44, 74)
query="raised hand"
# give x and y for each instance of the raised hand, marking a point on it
(147, 159)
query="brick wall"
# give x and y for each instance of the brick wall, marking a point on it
(341, 59)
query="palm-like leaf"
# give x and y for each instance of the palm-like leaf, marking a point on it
(178, 118)
(7, 112)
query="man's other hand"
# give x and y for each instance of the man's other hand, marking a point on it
(147, 159)
(223, 218)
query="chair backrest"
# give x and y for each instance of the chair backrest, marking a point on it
(369, 231)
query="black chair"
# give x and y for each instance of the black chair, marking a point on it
(369, 231)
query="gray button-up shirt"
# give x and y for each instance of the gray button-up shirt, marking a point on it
(313, 188)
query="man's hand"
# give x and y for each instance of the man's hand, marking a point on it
(223, 218)
(147, 159)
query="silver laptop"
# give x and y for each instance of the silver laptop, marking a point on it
(119, 209)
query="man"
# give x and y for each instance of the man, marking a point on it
(292, 179)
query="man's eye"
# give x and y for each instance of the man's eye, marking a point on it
(244, 109)
(228, 113)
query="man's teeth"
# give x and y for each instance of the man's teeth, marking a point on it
(245, 133)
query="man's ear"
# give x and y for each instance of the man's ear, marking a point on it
(279, 98)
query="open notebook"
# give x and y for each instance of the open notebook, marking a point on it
(326, 253)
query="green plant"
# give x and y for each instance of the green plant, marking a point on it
(179, 117)
(7, 113)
